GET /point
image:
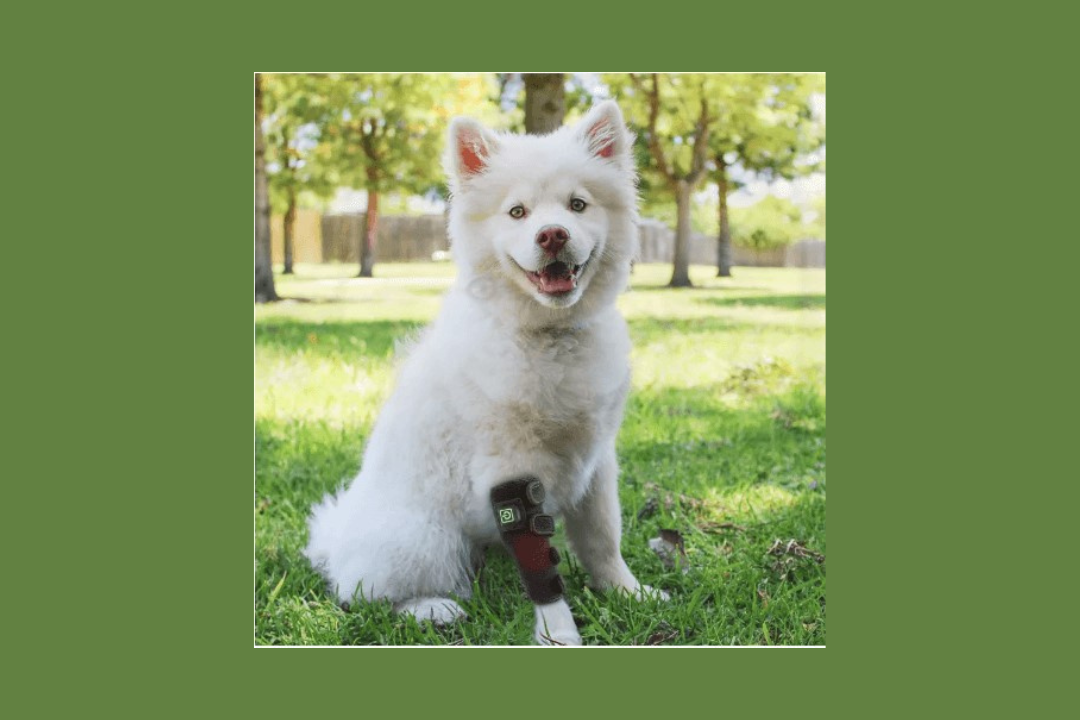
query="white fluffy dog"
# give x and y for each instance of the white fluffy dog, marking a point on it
(523, 373)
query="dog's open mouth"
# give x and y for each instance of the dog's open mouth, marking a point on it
(555, 278)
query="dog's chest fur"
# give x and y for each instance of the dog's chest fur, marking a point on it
(554, 403)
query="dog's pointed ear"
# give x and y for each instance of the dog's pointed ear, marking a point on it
(469, 148)
(605, 133)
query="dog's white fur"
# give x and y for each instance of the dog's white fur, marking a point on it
(507, 382)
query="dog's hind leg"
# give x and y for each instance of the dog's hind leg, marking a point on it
(408, 557)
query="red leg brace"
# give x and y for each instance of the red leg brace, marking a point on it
(525, 531)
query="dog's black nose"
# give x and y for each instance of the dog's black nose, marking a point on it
(552, 238)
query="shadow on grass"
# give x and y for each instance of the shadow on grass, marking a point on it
(645, 329)
(376, 337)
(787, 302)
(730, 433)
(329, 300)
(648, 329)
(664, 287)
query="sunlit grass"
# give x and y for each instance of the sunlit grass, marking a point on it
(725, 426)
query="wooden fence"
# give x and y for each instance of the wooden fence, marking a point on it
(336, 238)
(658, 245)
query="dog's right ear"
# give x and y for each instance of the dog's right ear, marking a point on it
(469, 148)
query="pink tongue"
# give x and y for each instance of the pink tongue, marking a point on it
(556, 284)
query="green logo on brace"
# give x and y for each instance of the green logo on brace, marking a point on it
(507, 515)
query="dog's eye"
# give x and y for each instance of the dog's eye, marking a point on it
(517, 212)
(577, 205)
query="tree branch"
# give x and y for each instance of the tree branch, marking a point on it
(657, 152)
(701, 143)
(366, 142)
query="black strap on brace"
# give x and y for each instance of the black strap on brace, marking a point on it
(525, 531)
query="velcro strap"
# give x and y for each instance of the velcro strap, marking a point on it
(542, 525)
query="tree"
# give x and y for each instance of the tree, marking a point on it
(675, 116)
(388, 132)
(769, 223)
(764, 124)
(298, 157)
(264, 273)
(545, 102)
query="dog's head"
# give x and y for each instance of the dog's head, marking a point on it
(551, 216)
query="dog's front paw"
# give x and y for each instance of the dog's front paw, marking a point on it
(642, 592)
(557, 639)
(555, 625)
(648, 592)
(441, 611)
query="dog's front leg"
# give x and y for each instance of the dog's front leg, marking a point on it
(555, 625)
(525, 529)
(594, 529)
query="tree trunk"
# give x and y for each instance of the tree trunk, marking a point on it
(288, 223)
(723, 245)
(680, 276)
(545, 102)
(264, 272)
(367, 243)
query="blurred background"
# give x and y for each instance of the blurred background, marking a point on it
(348, 165)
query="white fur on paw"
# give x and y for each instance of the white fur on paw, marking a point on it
(557, 639)
(648, 592)
(555, 625)
(441, 611)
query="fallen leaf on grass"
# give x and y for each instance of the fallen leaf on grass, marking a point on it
(794, 548)
(674, 537)
(782, 417)
(671, 549)
(648, 509)
(659, 638)
(789, 554)
(669, 500)
(691, 502)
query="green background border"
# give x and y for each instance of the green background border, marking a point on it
(213, 413)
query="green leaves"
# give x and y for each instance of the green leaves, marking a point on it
(297, 115)
(389, 135)
(765, 124)
(377, 131)
(770, 222)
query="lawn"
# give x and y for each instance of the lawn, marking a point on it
(723, 443)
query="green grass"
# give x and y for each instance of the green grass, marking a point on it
(724, 441)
